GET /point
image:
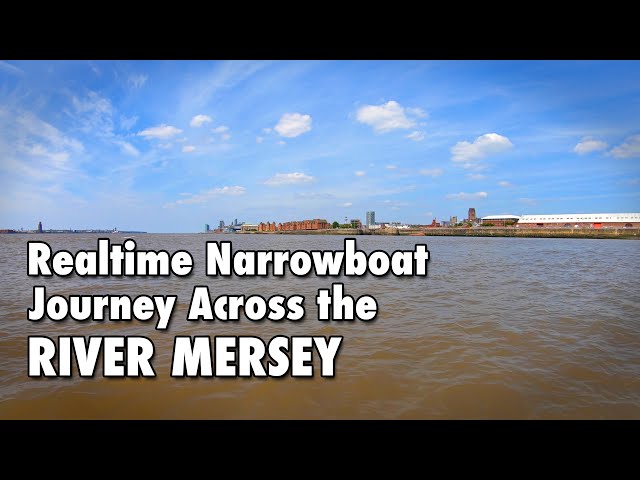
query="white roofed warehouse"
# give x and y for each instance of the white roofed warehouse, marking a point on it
(499, 220)
(580, 220)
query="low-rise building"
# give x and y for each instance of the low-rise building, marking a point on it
(500, 220)
(581, 220)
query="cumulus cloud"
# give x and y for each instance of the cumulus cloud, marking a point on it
(588, 145)
(388, 116)
(488, 144)
(137, 80)
(629, 149)
(431, 172)
(259, 139)
(294, 178)
(207, 195)
(188, 149)
(220, 128)
(293, 124)
(161, 131)
(467, 196)
(200, 120)
(281, 142)
(391, 167)
(347, 204)
(360, 173)
(416, 136)
(504, 184)
(416, 112)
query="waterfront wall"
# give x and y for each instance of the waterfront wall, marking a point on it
(622, 233)
(532, 232)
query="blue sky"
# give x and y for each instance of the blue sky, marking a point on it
(170, 146)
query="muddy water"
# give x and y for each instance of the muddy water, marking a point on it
(500, 328)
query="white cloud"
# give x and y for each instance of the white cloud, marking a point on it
(199, 120)
(475, 176)
(396, 204)
(416, 112)
(391, 167)
(94, 113)
(294, 178)
(281, 142)
(181, 140)
(416, 136)
(487, 144)
(12, 69)
(127, 123)
(137, 80)
(220, 129)
(267, 130)
(95, 68)
(207, 195)
(388, 116)
(127, 148)
(467, 196)
(32, 125)
(360, 173)
(431, 172)
(347, 204)
(226, 136)
(429, 214)
(58, 159)
(165, 145)
(293, 124)
(588, 145)
(629, 149)
(505, 184)
(161, 131)
(259, 139)
(528, 201)
(188, 149)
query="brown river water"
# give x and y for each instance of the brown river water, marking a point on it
(521, 328)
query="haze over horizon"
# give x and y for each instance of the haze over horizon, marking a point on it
(167, 146)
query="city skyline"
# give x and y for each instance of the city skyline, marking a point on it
(169, 146)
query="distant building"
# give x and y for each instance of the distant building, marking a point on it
(399, 225)
(500, 220)
(371, 219)
(581, 220)
(221, 225)
(472, 215)
(39, 227)
(206, 228)
(249, 227)
(453, 220)
(356, 223)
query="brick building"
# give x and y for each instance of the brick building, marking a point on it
(315, 224)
